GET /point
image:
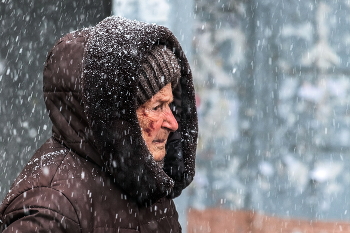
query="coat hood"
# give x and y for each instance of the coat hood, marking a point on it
(90, 86)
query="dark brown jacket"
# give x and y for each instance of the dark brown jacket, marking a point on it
(95, 174)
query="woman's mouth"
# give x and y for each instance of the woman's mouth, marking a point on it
(159, 141)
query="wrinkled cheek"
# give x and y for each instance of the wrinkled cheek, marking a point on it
(152, 128)
(149, 125)
(145, 123)
(149, 129)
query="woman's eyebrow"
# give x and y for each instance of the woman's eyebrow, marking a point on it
(166, 99)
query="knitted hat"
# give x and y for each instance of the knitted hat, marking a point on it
(159, 68)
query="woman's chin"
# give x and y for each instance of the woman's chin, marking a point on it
(158, 155)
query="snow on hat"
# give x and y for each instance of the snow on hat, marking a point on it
(159, 68)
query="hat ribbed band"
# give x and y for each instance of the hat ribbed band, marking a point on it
(159, 68)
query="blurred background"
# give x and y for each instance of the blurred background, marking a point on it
(273, 91)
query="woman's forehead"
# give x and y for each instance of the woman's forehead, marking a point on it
(164, 95)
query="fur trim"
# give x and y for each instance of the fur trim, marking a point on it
(112, 60)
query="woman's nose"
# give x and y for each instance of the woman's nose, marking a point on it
(169, 121)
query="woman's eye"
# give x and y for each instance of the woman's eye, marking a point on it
(158, 107)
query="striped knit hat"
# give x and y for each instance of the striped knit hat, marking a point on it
(159, 68)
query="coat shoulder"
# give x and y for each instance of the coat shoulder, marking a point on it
(40, 169)
(32, 195)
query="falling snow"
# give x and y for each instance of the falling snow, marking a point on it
(273, 95)
(273, 100)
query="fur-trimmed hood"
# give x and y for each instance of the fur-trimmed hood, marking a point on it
(90, 85)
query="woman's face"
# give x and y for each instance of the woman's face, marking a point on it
(157, 121)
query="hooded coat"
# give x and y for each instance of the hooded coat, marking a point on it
(95, 174)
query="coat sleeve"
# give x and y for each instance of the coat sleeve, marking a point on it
(40, 210)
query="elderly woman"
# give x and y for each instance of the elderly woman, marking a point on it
(121, 100)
